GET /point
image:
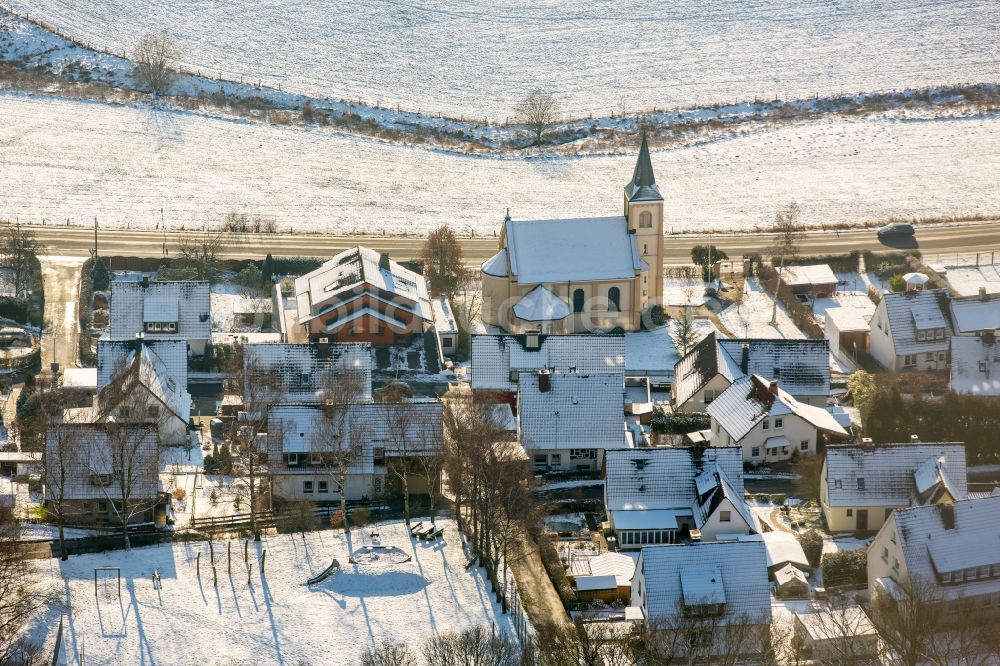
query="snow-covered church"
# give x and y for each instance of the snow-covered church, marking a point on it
(580, 274)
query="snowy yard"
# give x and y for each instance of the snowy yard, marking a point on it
(276, 618)
(596, 57)
(967, 280)
(853, 295)
(752, 317)
(686, 291)
(73, 159)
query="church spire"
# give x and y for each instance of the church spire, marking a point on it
(643, 183)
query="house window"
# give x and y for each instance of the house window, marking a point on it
(910, 360)
(614, 299)
(324, 486)
(578, 298)
(172, 327)
(307, 486)
(939, 334)
(837, 484)
(861, 483)
(804, 445)
(152, 411)
(766, 425)
(755, 452)
(941, 356)
(378, 455)
(447, 341)
(102, 507)
(930, 356)
(778, 424)
(850, 513)
(710, 396)
(555, 458)
(583, 454)
(645, 250)
(725, 516)
(645, 220)
(100, 479)
(885, 553)
(921, 335)
(315, 459)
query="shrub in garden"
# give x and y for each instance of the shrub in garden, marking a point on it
(846, 568)
(812, 546)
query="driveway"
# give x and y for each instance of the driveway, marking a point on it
(61, 277)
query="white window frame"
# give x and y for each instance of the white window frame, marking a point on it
(779, 423)
(307, 487)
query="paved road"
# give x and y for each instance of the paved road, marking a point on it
(77, 241)
(61, 277)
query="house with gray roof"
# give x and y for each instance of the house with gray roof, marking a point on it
(976, 315)
(759, 416)
(801, 366)
(947, 554)
(912, 330)
(112, 355)
(566, 421)
(668, 495)
(304, 445)
(975, 365)
(580, 274)
(718, 592)
(861, 485)
(302, 371)
(162, 310)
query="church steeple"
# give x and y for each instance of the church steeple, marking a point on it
(643, 187)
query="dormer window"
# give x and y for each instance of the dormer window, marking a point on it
(939, 334)
(161, 327)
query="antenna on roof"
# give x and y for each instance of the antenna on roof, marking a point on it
(507, 218)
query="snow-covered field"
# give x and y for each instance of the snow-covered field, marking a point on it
(478, 58)
(277, 618)
(64, 159)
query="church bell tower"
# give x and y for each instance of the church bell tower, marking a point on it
(644, 213)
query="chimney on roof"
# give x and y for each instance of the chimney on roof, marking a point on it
(914, 439)
(544, 381)
(139, 338)
(383, 262)
(323, 347)
(745, 358)
(982, 294)
(773, 388)
(145, 281)
(532, 340)
(947, 515)
(867, 444)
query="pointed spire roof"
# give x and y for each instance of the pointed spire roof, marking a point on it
(643, 187)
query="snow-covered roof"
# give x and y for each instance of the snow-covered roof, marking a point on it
(801, 366)
(147, 369)
(911, 311)
(836, 623)
(613, 564)
(93, 452)
(496, 265)
(940, 539)
(540, 304)
(576, 411)
(733, 572)
(749, 400)
(650, 353)
(591, 583)
(114, 354)
(585, 249)
(496, 357)
(186, 303)
(444, 317)
(789, 574)
(848, 319)
(974, 314)
(81, 378)
(885, 475)
(664, 477)
(782, 548)
(346, 274)
(304, 368)
(915, 278)
(802, 276)
(975, 366)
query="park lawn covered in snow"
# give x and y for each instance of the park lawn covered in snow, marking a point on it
(277, 618)
(480, 57)
(65, 159)
(751, 318)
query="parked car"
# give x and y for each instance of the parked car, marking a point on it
(895, 229)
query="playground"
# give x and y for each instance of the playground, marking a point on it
(189, 602)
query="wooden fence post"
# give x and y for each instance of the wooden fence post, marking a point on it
(197, 565)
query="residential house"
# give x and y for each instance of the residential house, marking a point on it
(114, 355)
(947, 554)
(162, 311)
(837, 636)
(815, 280)
(710, 589)
(96, 464)
(802, 367)
(769, 424)
(304, 446)
(498, 361)
(580, 275)
(975, 365)
(667, 495)
(363, 296)
(567, 421)
(305, 370)
(861, 485)
(911, 330)
(976, 315)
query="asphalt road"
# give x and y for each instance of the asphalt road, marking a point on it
(77, 241)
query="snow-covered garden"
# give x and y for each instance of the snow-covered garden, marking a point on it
(275, 617)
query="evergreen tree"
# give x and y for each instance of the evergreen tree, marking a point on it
(268, 272)
(100, 275)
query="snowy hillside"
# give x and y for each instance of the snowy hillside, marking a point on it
(477, 58)
(70, 159)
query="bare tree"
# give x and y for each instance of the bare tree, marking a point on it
(538, 110)
(199, 258)
(847, 630)
(63, 448)
(20, 597)
(388, 653)
(338, 437)
(19, 250)
(262, 387)
(129, 462)
(580, 644)
(684, 637)
(788, 234)
(411, 431)
(154, 57)
(444, 265)
(477, 646)
(684, 329)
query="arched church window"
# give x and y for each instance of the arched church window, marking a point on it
(614, 299)
(645, 220)
(578, 300)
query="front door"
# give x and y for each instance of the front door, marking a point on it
(862, 520)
